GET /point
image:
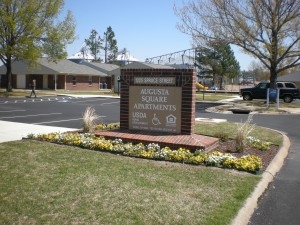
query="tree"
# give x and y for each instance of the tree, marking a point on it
(267, 29)
(258, 70)
(219, 61)
(94, 44)
(247, 77)
(111, 47)
(28, 30)
(207, 63)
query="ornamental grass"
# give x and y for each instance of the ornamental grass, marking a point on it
(243, 131)
(89, 119)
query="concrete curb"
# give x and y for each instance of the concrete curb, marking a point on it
(245, 213)
(89, 96)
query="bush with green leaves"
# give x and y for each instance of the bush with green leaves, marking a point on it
(222, 136)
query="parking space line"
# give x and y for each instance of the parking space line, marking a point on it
(108, 103)
(58, 121)
(48, 114)
(94, 100)
(17, 110)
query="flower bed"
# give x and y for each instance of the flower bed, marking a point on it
(110, 126)
(249, 163)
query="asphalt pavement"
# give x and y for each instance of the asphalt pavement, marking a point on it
(275, 200)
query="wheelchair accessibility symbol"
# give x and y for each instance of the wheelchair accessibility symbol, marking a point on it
(155, 120)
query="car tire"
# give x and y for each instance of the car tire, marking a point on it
(287, 99)
(247, 97)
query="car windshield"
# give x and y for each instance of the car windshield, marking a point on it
(263, 85)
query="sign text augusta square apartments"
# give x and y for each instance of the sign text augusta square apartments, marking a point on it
(158, 100)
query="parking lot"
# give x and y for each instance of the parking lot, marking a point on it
(58, 111)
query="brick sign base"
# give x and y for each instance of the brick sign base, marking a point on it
(158, 100)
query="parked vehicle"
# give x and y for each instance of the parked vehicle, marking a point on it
(288, 91)
(213, 88)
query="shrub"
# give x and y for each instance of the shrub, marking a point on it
(222, 136)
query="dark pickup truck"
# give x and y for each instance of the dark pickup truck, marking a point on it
(288, 91)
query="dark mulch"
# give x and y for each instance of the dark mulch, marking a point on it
(266, 156)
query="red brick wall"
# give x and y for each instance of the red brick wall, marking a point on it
(82, 83)
(185, 78)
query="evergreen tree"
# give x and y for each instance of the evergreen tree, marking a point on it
(94, 44)
(111, 47)
(208, 63)
(218, 61)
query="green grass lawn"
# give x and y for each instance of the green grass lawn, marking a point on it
(44, 183)
(229, 128)
(262, 104)
(211, 96)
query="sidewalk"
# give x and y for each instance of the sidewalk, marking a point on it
(11, 131)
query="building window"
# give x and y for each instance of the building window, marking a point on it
(74, 80)
(90, 80)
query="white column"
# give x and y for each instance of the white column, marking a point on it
(55, 82)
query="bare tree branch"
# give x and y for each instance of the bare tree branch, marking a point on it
(269, 30)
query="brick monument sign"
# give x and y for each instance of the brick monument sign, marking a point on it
(158, 100)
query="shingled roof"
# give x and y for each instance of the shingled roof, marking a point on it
(292, 77)
(102, 67)
(44, 66)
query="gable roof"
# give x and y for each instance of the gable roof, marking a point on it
(66, 66)
(21, 67)
(103, 67)
(292, 77)
(44, 66)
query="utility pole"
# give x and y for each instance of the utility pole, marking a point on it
(95, 46)
(105, 48)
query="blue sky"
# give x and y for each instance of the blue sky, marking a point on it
(147, 28)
